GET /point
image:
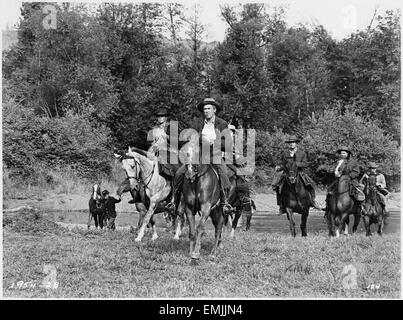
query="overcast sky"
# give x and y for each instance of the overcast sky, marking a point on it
(340, 17)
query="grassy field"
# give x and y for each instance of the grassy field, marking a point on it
(102, 264)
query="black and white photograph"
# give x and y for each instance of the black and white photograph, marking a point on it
(201, 150)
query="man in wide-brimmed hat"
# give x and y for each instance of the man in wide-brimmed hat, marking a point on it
(159, 135)
(209, 127)
(296, 155)
(380, 183)
(348, 166)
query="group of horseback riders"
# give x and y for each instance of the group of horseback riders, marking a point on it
(211, 128)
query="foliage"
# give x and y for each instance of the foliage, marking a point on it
(344, 126)
(73, 93)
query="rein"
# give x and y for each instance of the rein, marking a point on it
(139, 179)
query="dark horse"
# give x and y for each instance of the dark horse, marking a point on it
(239, 198)
(96, 207)
(201, 193)
(339, 206)
(372, 209)
(295, 198)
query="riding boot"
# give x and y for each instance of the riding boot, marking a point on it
(279, 203)
(174, 203)
(281, 210)
(227, 208)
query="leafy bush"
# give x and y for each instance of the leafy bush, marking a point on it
(53, 142)
(342, 126)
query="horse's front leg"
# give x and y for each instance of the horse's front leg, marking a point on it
(89, 220)
(154, 228)
(304, 219)
(218, 221)
(344, 223)
(331, 222)
(192, 228)
(238, 213)
(367, 224)
(146, 220)
(142, 210)
(357, 218)
(205, 212)
(290, 216)
(380, 223)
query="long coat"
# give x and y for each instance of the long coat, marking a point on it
(351, 168)
(301, 160)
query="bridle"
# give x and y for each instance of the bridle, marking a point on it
(137, 170)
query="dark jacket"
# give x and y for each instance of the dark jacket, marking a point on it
(351, 168)
(109, 205)
(221, 129)
(300, 158)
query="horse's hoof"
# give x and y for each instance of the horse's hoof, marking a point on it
(154, 237)
(194, 262)
(137, 239)
(176, 238)
(195, 256)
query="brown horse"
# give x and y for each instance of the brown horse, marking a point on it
(96, 207)
(339, 206)
(372, 209)
(295, 198)
(201, 194)
(239, 198)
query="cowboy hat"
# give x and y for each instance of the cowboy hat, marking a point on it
(208, 101)
(343, 148)
(162, 112)
(372, 165)
(292, 138)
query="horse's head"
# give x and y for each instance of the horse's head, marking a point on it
(96, 191)
(371, 189)
(124, 187)
(189, 155)
(131, 165)
(97, 195)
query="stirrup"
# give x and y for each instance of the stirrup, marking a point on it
(170, 207)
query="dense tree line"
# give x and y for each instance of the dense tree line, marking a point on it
(73, 93)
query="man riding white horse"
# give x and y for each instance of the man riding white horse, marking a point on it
(209, 127)
(159, 136)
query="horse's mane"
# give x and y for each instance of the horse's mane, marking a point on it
(140, 151)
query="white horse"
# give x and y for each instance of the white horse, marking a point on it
(140, 165)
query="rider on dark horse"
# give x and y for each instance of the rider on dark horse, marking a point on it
(209, 127)
(349, 167)
(294, 155)
(380, 183)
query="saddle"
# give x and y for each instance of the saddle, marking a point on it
(197, 172)
(165, 168)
